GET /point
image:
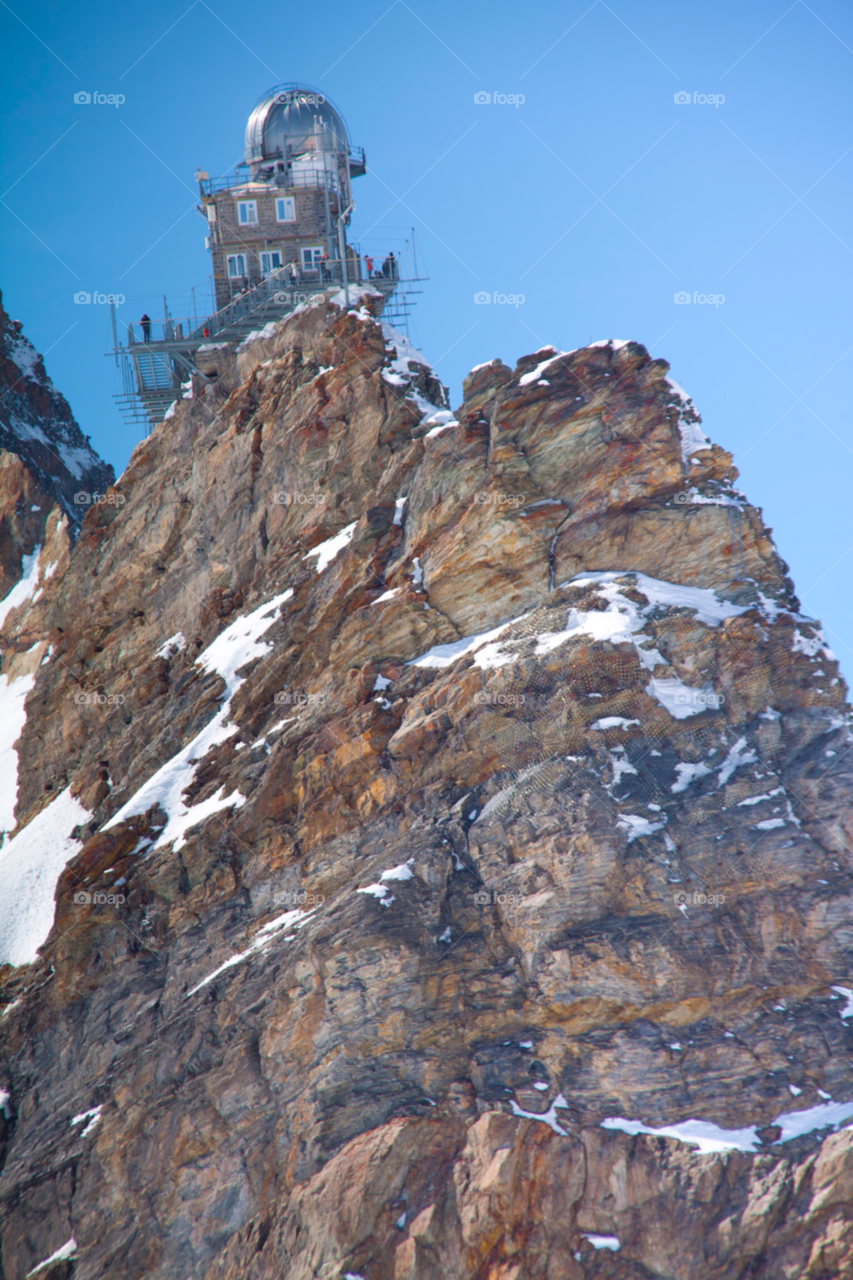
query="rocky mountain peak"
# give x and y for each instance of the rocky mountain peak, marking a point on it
(44, 457)
(429, 851)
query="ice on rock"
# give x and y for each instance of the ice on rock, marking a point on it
(847, 995)
(238, 645)
(30, 864)
(328, 550)
(621, 622)
(602, 1242)
(688, 773)
(62, 1254)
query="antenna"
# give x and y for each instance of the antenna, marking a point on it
(113, 319)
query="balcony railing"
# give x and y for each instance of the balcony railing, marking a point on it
(291, 178)
(281, 287)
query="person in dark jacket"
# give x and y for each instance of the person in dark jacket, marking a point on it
(145, 321)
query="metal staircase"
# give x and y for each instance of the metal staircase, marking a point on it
(153, 365)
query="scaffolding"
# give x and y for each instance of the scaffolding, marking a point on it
(157, 360)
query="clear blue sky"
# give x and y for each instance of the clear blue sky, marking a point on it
(597, 199)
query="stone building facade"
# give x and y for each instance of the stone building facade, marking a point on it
(289, 204)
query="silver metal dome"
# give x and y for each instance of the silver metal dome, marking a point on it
(292, 120)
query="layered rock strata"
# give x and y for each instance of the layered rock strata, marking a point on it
(457, 818)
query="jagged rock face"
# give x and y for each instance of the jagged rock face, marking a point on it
(44, 457)
(444, 795)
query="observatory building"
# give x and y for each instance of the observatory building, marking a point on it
(277, 234)
(290, 202)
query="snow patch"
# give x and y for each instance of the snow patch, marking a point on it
(30, 864)
(688, 773)
(681, 700)
(738, 756)
(77, 459)
(328, 550)
(847, 1011)
(89, 1118)
(442, 426)
(621, 622)
(636, 825)
(64, 1251)
(621, 765)
(23, 354)
(235, 648)
(380, 889)
(692, 437)
(25, 587)
(602, 1242)
(710, 1138)
(268, 331)
(296, 919)
(811, 646)
(768, 795)
(442, 655)
(707, 1137)
(548, 1117)
(795, 1123)
(173, 645)
(13, 717)
(536, 373)
(398, 374)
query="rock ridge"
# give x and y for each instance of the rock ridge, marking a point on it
(430, 852)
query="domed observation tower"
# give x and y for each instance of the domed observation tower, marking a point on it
(297, 128)
(288, 206)
(277, 234)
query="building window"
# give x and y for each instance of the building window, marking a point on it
(285, 209)
(236, 266)
(271, 261)
(247, 213)
(311, 256)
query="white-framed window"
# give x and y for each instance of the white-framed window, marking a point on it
(271, 260)
(236, 266)
(285, 208)
(247, 213)
(311, 255)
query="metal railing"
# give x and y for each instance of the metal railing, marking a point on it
(160, 355)
(303, 176)
(281, 287)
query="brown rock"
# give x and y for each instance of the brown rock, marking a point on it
(604, 850)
